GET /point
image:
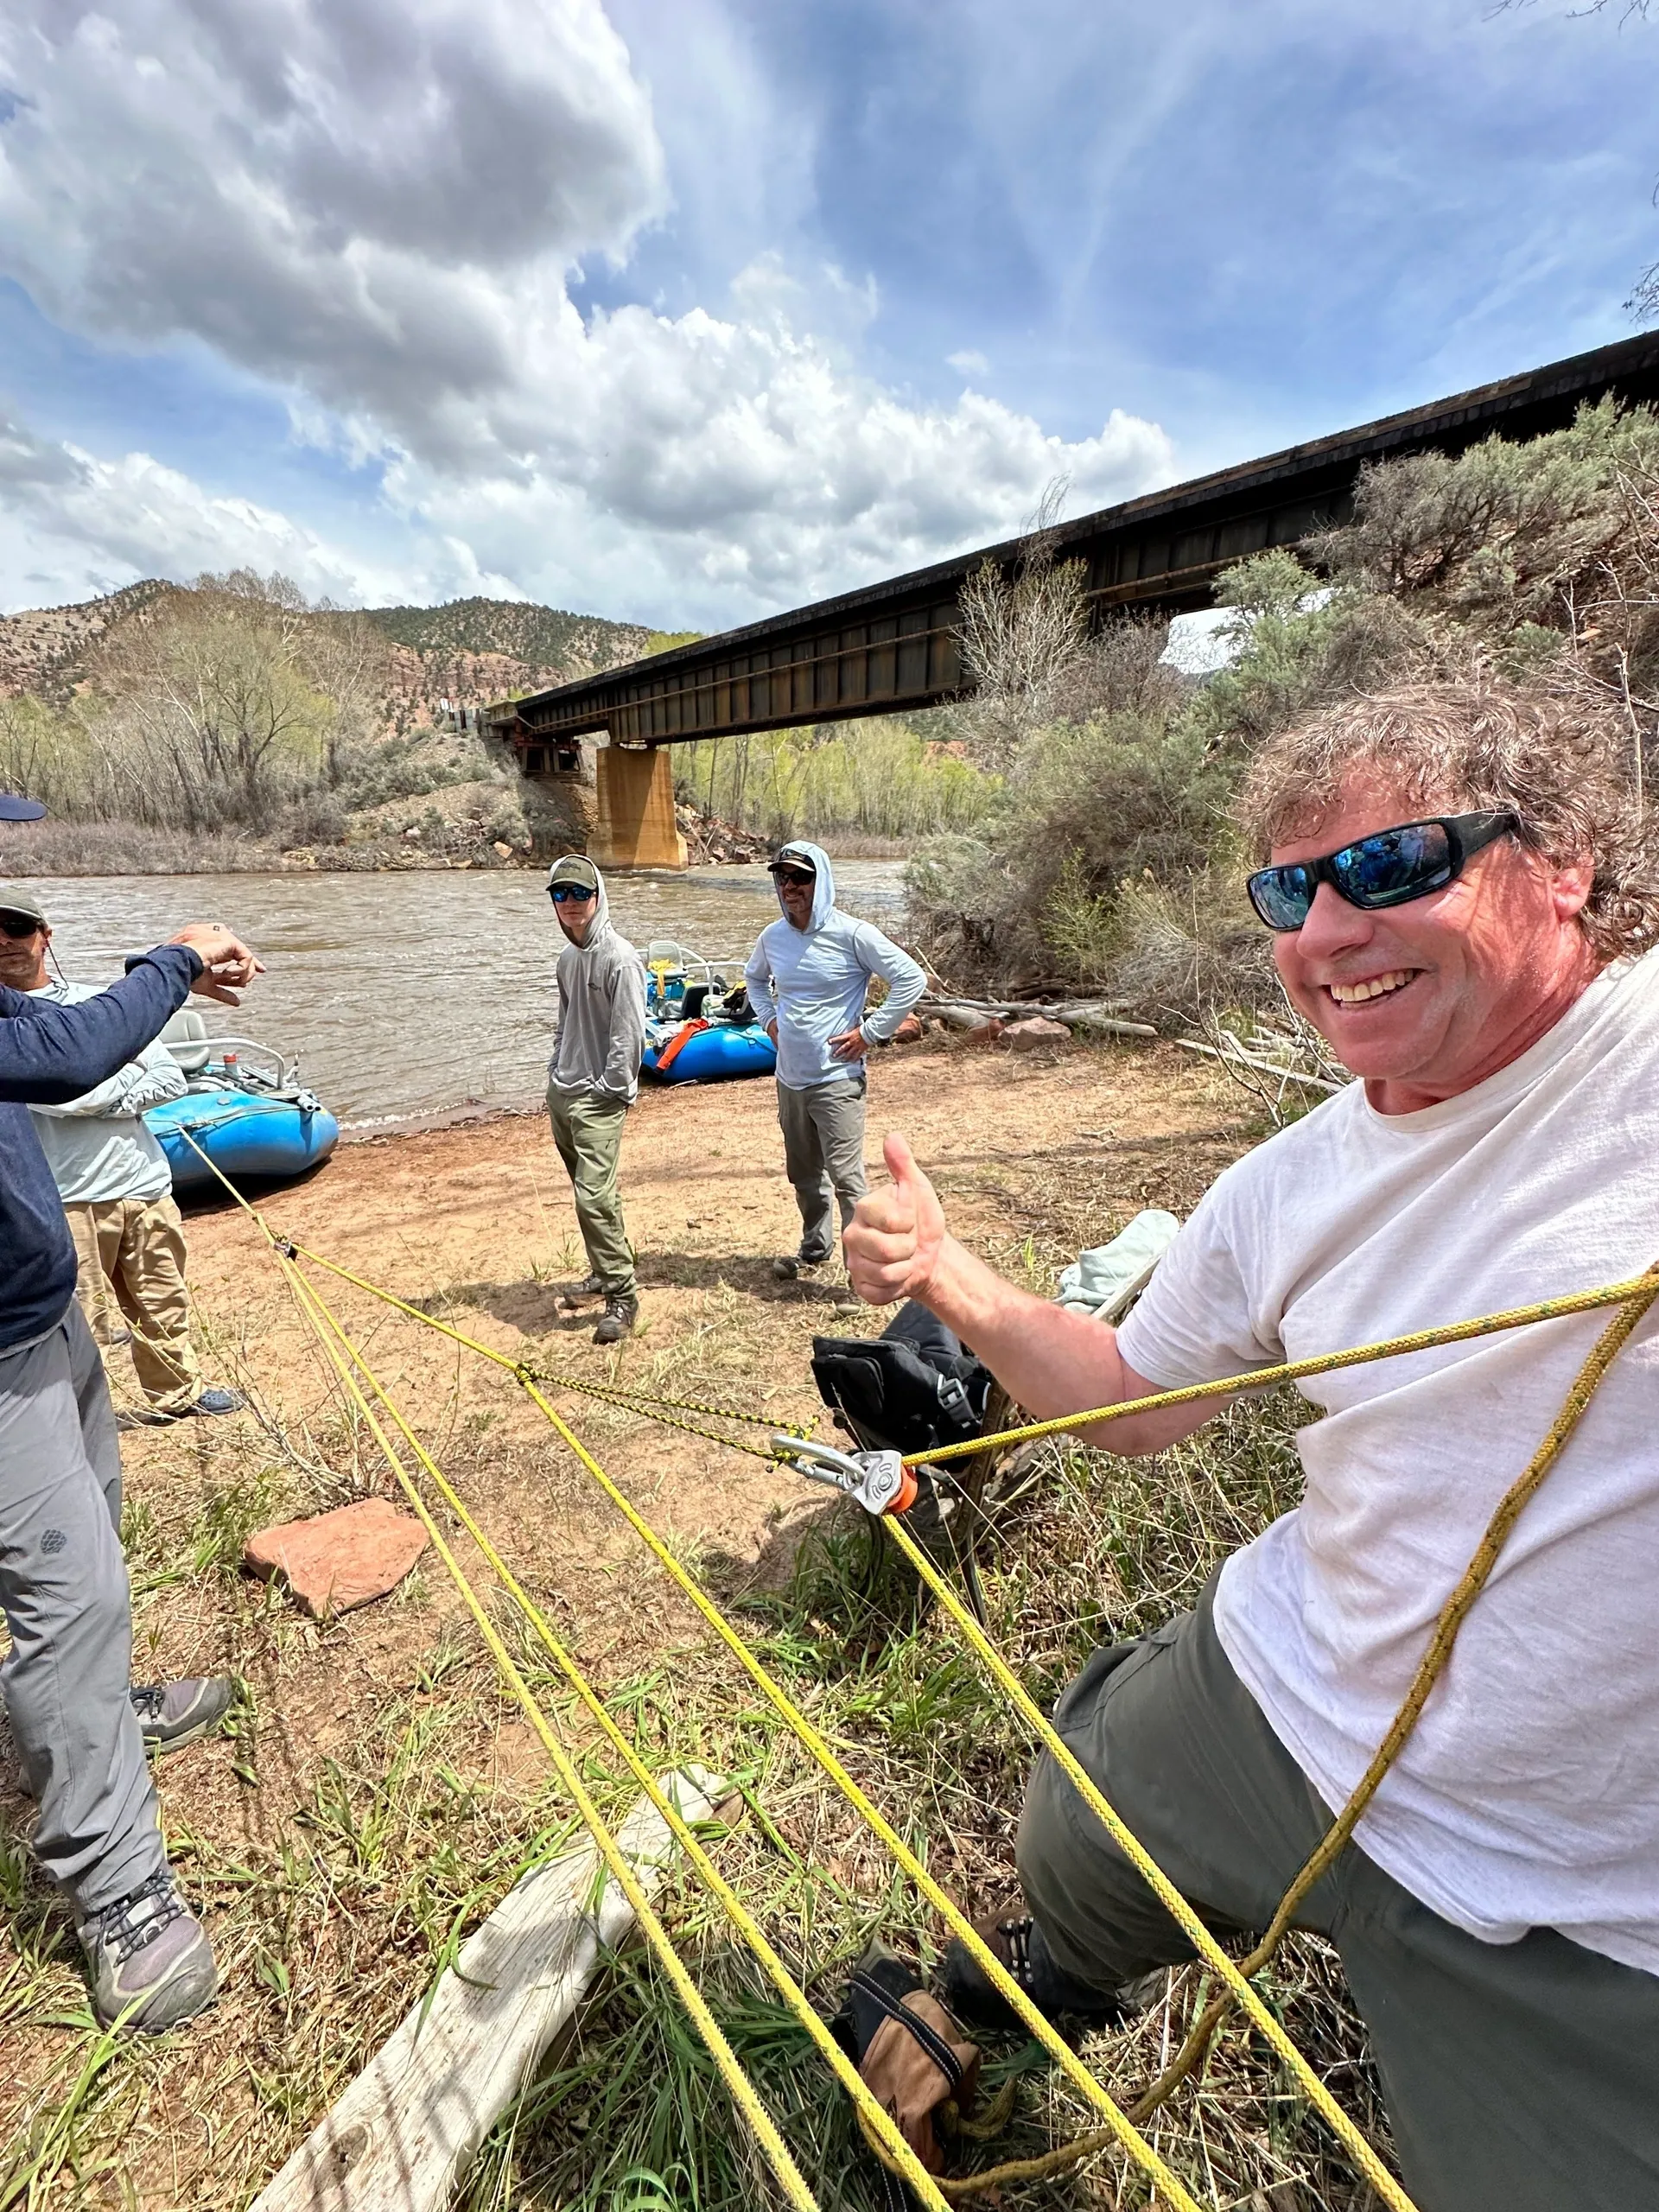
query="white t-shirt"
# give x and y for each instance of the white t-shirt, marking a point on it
(1529, 1794)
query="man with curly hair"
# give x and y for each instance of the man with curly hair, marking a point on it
(1462, 905)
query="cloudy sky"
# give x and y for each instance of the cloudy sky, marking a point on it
(686, 310)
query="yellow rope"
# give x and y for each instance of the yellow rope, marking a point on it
(1347, 2132)
(1635, 1296)
(1165, 2182)
(777, 2152)
(1266, 1378)
(873, 2115)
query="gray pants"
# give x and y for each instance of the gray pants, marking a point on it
(588, 1134)
(63, 1586)
(824, 1153)
(1519, 2077)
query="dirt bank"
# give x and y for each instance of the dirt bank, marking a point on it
(381, 1793)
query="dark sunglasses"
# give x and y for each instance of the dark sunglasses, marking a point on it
(792, 875)
(18, 926)
(1388, 869)
(571, 894)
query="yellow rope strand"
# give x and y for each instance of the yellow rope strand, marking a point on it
(1266, 1378)
(1164, 2182)
(777, 2152)
(1429, 1670)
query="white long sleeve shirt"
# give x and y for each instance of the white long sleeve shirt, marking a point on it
(97, 1146)
(813, 983)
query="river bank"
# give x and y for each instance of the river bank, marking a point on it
(381, 1792)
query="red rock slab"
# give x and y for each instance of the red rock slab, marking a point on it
(339, 1560)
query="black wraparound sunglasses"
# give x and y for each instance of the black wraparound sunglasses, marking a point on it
(1388, 869)
(17, 925)
(571, 894)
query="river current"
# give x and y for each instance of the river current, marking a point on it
(410, 993)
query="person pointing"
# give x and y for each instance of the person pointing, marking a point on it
(81, 1731)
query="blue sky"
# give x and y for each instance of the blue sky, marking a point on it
(687, 312)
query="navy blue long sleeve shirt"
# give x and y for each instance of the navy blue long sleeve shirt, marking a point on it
(48, 1055)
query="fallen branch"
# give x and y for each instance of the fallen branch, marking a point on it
(408, 2125)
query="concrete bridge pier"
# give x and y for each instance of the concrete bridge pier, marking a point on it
(634, 824)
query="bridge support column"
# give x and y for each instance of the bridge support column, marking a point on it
(635, 825)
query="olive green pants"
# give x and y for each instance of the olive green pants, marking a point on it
(588, 1134)
(1519, 2077)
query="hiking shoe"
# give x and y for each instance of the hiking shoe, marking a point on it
(209, 1403)
(219, 1400)
(171, 1714)
(1016, 1941)
(617, 1320)
(589, 1286)
(149, 1960)
(794, 1265)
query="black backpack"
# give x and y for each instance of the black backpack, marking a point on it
(911, 1387)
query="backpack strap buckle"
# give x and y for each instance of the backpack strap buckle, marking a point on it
(879, 1481)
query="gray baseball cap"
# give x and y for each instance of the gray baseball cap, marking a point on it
(13, 899)
(576, 869)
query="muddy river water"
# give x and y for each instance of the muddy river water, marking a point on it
(406, 994)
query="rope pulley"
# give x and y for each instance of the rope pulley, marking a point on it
(879, 1481)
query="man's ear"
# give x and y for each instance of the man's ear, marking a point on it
(1570, 886)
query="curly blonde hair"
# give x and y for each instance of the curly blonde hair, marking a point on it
(1559, 765)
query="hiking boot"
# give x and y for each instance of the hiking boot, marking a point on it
(589, 1286)
(149, 1960)
(618, 1319)
(794, 1265)
(172, 1714)
(1015, 1940)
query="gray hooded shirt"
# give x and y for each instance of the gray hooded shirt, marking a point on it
(601, 1029)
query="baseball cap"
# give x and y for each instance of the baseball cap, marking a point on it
(13, 899)
(573, 868)
(792, 856)
(13, 809)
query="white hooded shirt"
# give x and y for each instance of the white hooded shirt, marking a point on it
(813, 982)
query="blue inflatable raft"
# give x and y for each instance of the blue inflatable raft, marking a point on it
(713, 1052)
(698, 1028)
(252, 1120)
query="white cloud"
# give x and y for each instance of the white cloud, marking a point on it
(77, 525)
(967, 364)
(376, 205)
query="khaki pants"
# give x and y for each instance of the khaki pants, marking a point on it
(588, 1134)
(131, 1255)
(1519, 2077)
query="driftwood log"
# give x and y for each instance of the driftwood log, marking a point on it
(400, 2137)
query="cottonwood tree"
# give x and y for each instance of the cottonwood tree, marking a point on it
(222, 704)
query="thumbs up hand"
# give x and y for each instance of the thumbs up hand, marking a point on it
(897, 1236)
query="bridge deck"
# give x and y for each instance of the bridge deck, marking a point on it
(892, 646)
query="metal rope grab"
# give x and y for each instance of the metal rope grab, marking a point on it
(1633, 1297)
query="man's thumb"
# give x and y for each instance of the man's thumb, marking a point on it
(901, 1166)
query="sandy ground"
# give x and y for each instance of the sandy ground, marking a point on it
(1034, 1156)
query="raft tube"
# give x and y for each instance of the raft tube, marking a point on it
(245, 1133)
(716, 1054)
